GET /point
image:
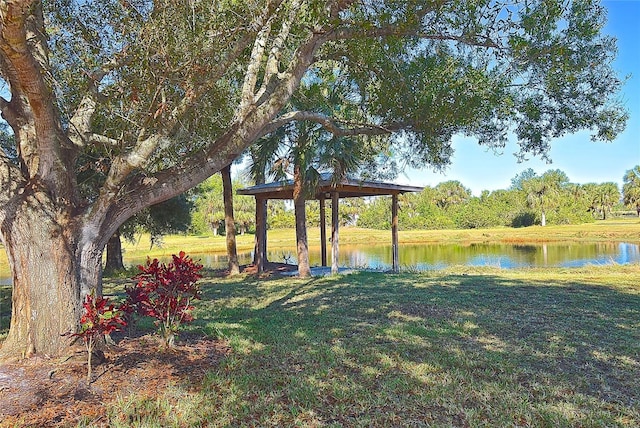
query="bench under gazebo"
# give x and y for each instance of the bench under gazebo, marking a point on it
(326, 189)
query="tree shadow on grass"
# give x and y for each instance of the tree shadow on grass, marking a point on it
(371, 348)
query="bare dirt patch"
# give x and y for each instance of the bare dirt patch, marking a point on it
(41, 392)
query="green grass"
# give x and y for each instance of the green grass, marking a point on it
(463, 347)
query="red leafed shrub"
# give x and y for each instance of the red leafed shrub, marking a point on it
(100, 318)
(165, 292)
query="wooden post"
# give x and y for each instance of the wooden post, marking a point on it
(323, 233)
(335, 197)
(394, 232)
(261, 233)
(264, 231)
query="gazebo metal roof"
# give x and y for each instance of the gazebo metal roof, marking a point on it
(347, 188)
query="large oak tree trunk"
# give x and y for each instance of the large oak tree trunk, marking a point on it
(304, 270)
(52, 271)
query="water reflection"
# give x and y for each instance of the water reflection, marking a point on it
(439, 256)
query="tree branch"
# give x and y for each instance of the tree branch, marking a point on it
(194, 93)
(246, 127)
(47, 153)
(113, 197)
(248, 124)
(271, 69)
(80, 122)
(102, 139)
(346, 33)
(251, 76)
(8, 112)
(333, 126)
(119, 172)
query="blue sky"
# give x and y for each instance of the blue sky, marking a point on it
(581, 159)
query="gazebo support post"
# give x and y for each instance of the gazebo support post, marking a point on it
(323, 232)
(394, 233)
(261, 233)
(335, 198)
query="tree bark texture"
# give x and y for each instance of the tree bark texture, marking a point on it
(302, 246)
(49, 268)
(230, 224)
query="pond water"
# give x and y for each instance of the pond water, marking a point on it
(439, 256)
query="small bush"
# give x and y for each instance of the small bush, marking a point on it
(165, 292)
(99, 319)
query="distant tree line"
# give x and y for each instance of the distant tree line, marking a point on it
(531, 199)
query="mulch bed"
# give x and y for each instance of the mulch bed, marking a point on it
(41, 392)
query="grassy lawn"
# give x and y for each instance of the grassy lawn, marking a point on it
(462, 347)
(459, 347)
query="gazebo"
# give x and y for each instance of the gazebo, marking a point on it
(326, 189)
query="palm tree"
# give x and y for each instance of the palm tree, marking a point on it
(542, 191)
(631, 188)
(229, 221)
(451, 193)
(306, 150)
(605, 196)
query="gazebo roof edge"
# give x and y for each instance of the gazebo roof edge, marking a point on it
(354, 187)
